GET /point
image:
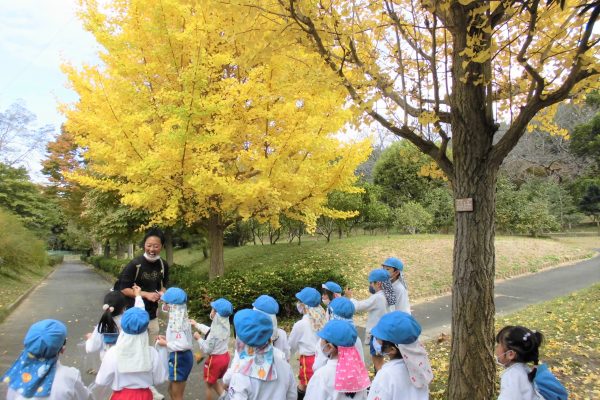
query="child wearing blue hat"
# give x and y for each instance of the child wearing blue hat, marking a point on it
(345, 375)
(340, 309)
(38, 373)
(408, 373)
(303, 338)
(258, 374)
(395, 268)
(215, 345)
(105, 334)
(132, 366)
(381, 301)
(178, 341)
(269, 306)
(329, 291)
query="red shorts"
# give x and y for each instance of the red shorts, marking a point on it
(306, 369)
(215, 367)
(132, 394)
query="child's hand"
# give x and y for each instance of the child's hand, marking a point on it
(193, 322)
(137, 291)
(161, 340)
(197, 336)
(88, 335)
(348, 293)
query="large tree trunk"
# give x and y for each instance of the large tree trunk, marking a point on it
(107, 248)
(472, 367)
(216, 228)
(169, 245)
(121, 250)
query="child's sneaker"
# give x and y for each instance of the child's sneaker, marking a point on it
(155, 394)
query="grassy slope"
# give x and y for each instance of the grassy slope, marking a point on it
(571, 348)
(427, 258)
(15, 284)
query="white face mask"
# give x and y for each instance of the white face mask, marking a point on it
(498, 359)
(151, 258)
(326, 349)
(300, 308)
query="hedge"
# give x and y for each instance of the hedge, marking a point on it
(239, 287)
(55, 259)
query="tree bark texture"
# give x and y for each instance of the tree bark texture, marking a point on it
(216, 229)
(472, 367)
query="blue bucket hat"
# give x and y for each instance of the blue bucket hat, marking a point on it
(252, 327)
(378, 275)
(32, 374)
(223, 307)
(267, 304)
(342, 307)
(135, 321)
(394, 263)
(332, 287)
(45, 338)
(174, 295)
(340, 333)
(397, 327)
(309, 296)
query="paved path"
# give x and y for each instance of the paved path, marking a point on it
(74, 292)
(514, 294)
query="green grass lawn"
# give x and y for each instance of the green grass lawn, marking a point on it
(427, 258)
(572, 342)
(15, 283)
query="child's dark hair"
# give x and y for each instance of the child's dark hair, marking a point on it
(328, 293)
(524, 342)
(154, 232)
(386, 345)
(116, 301)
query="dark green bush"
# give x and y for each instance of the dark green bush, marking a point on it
(110, 265)
(241, 287)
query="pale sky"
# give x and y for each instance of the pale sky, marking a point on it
(36, 36)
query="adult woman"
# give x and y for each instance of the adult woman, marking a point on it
(151, 274)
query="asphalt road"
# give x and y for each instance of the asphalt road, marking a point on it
(514, 294)
(73, 293)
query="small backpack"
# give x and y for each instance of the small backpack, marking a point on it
(547, 385)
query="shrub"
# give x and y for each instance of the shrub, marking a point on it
(55, 259)
(110, 265)
(241, 287)
(19, 247)
(412, 218)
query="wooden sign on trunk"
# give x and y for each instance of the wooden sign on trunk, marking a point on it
(463, 205)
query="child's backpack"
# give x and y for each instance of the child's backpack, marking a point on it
(547, 385)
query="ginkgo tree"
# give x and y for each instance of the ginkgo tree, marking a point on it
(205, 112)
(443, 74)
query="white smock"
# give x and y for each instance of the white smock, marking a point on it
(515, 385)
(393, 382)
(303, 339)
(242, 387)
